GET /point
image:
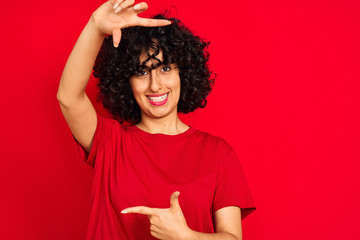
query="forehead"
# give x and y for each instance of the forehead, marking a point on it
(151, 57)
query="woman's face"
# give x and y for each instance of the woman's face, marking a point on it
(157, 91)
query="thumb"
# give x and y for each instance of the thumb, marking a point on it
(116, 37)
(174, 200)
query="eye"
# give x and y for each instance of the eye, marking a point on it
(140, 73)
(166, 69)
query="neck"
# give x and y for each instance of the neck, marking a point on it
(170, 125)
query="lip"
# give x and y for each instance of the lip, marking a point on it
(158, 95)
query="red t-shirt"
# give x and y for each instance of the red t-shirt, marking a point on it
(136, 168)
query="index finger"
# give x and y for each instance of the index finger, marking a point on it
(147, 22)
(141, 210)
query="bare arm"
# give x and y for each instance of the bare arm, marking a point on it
(227, 226)
(79, 65)
(76, 107)
(74, 103)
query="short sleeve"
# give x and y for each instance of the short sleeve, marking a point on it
(231, 186)
(103, 131)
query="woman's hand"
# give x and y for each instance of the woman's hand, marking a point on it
(108, 20)
(168, 223)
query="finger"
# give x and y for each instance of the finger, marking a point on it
(174, 200)
(116, 37)
(146, 22)
(155, 231)
(141, 210)
(127, 3)
(117, 3)
(154, 219)
(156, 234)
(140, 7)
(153, 228)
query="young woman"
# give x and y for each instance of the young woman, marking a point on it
(149, 70)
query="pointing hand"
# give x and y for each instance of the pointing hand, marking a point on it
(168, 223)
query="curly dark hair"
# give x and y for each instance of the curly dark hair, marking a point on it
(114, 67)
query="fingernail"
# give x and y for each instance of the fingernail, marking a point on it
(124, 211)
(117, 10)
(137, 7)
(115, 6)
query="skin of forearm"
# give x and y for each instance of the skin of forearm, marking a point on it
(212, 236)
(78, 68)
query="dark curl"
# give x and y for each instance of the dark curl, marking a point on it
(115, 66)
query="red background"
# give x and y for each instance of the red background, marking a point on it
(286, 97)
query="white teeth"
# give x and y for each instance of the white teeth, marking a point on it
(158, 99)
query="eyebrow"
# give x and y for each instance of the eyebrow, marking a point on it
(153, 66)
(143, 65)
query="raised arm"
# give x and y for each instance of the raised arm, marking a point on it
(75, 105)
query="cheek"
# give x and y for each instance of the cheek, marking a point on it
(133, 90)
(174, 83)
(178, 86)
(136, 88)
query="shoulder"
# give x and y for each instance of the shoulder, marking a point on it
(108, 120)
(213, 141)
(108, 126)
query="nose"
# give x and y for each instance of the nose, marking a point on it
(155, 81)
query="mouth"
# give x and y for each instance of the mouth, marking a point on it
(159, 99)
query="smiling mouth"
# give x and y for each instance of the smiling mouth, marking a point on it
(158, 100)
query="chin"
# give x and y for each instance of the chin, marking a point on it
(159, 112)
(158, 115)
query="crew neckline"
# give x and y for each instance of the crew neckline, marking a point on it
(188, 132)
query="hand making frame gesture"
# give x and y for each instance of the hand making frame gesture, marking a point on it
(112, 16)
